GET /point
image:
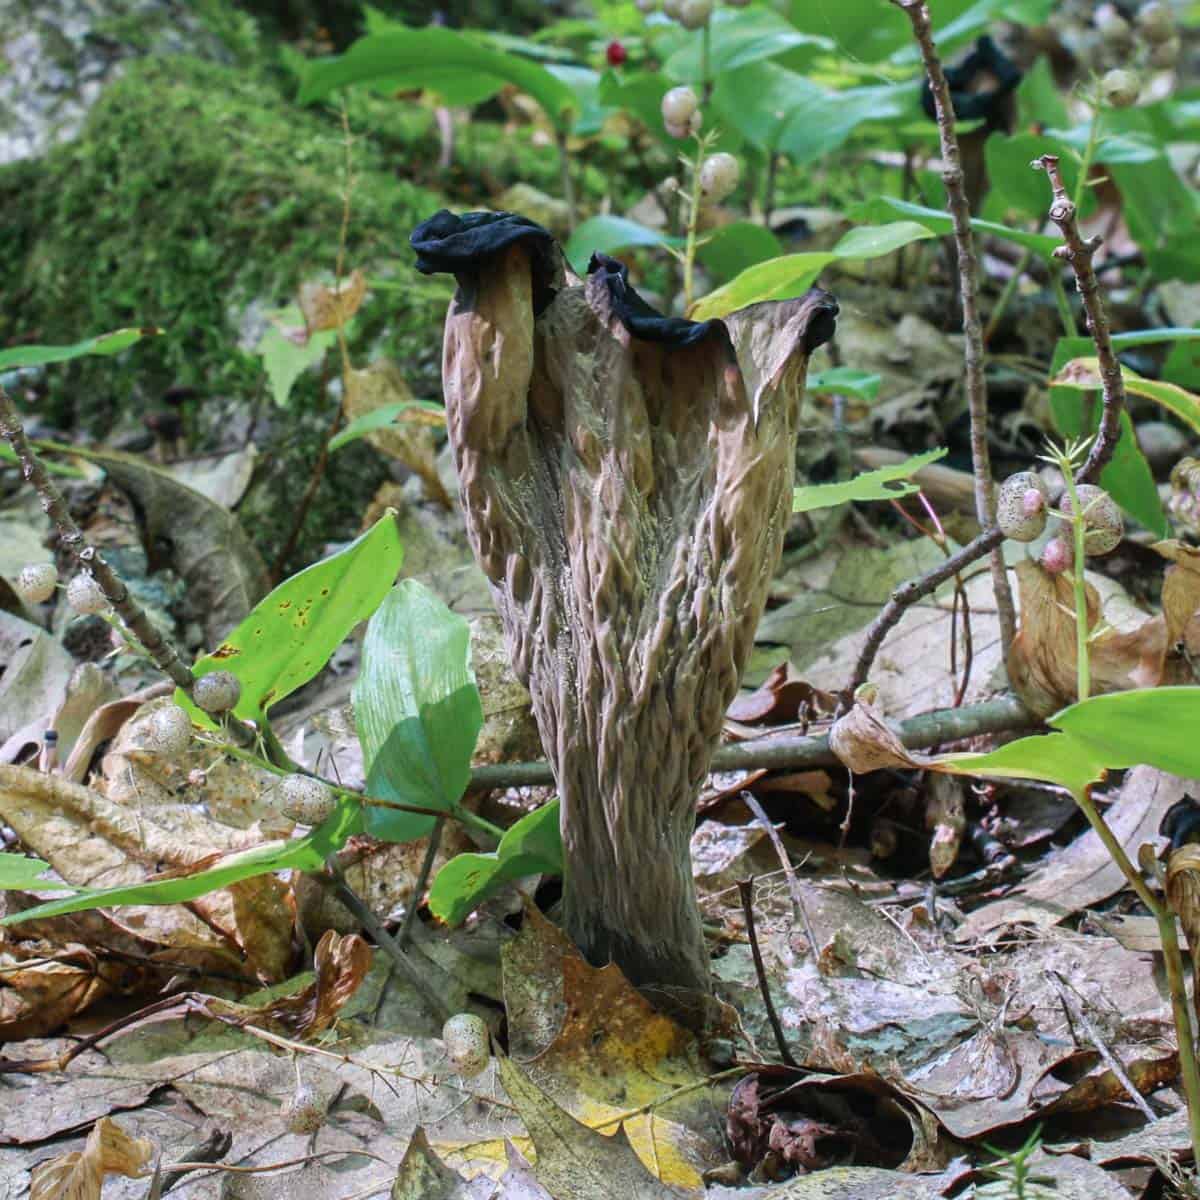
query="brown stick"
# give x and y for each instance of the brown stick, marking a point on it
(1006, 714)
(1079, 252)
(161, 652)
(968, 271)
(799, 908)
(746, 891)
(909, 593)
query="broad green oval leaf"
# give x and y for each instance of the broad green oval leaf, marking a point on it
(888, 483)
(759, 100)
(290, 634)
(105, 343)
(776, 279)
(416, 709)
(1128, 477)
(382, 418)
(828, 122)
(1084, 374)
(792, 274)
(1155, 726)
(413, 51)
(940, 223)
(736, 246)
(738, 38)
(22, 872)
(300, 854)
(844, 381)
(533, 846)
(606, 234)
(872, 241)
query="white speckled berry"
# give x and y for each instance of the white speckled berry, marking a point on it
(84, 594)
(694, 14)
(303, 799)
(468, 1046)
(719, 175)
(678, 105)
(1102, 521)
(217, 692)
(169, 730)
(1021, 506)
(1120, 88)
(1156, 22)
(36, 582)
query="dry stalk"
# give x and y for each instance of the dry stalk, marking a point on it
(975, 383)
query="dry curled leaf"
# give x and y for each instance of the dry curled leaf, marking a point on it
(80, 1174)
(340, 965)
(330, 307)
(864, 742)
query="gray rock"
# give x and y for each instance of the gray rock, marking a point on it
(54, 67)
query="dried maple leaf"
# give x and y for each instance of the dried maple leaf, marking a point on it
(80, 1174)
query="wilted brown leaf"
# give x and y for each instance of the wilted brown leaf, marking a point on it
(340, 964)
(327, 306)
(1042, 665)
(80, 1174)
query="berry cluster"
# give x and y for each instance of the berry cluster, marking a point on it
(1023, 506)
(718, 173)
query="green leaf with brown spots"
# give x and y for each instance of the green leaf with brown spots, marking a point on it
(290, 634)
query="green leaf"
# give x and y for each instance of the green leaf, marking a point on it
(758, 101)
(844, 381)
(887, 483)
(1162, 213)
(790, 275)
(940, 223)
(826, 124)
(300, 854)
(290, 634)
(737, 39)
(285, 360)
(1054, 757)
(22, 872)
(606, 234)
(736, 246)
(105, 343)
(1128, 477)
(381, 418)
(416, 709)
(1084, 375)
(533, 846)
(1017, 188)
(415, 52)
(1155, 726)
(1039, 101)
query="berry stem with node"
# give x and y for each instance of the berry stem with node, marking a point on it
(975, 382)
(1079, 252)
(160, 651)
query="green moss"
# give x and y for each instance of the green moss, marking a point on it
(192, 191)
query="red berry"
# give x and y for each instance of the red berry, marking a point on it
(616, 54)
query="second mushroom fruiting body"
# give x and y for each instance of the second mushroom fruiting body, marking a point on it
(626, 480)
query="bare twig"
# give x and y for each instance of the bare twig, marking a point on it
(1075, 1009)
(968, 271)
(435, 840)
(912, 591)
(384, 940)
(161, 652)
(799, 909)
(1006, 714)
(1079, 252)
(746, 891)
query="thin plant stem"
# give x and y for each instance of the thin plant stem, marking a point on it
(975, 380)
(410, 917)
(1079, 252)
(693, 203)
(1089, 155)
(1065, 315)
(1164, 918)
(568, 184)
(706, 61)
(746, 891)
(1079, 541)
(1005, 297)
